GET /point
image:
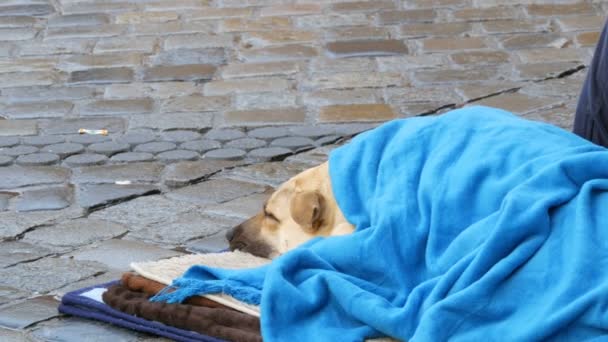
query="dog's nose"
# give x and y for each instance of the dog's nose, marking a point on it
(230, 234)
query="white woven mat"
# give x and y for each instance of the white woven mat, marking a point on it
(164, 271)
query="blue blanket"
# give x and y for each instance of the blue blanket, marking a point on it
(472, 226)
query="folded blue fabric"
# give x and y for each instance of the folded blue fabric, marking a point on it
(472, 226)
(87, 303)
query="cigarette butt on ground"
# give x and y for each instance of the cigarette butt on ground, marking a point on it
(93, 131)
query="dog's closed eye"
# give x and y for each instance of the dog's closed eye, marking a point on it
(270, 215)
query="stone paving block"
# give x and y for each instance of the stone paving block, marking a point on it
(362, 112)
(435, 29)
(83, 62)
(50, 198)
(348, 79)
(5, 197)
(136, 138)
(279, 53)
(215, 191)
(15, 252)
(588, 38)
(155, 147)
(442, 44)
(71, 32)
(134, 172)
(24, 314)
(17, 21)
(356, 48)
(311, 131)
(356, 32)
(142, 211)
(190, 5)
(102, 76)
(79, 329)
(261, 24)
(125, 44)
(17, 223)
(362, 6)
(41, 140)
(118, 254)
(224, 134)
(18, 150)
(480, 57)
(292, 142)
(524, 41)
(401, 96)
(7, 295)
(71, 126)
(15, 34)
(64, 149)
(260, 39)
(517, 102)
(187, 172)
(25, 79)
(240, 208)
(456, 75)
(40, 9)
(515, 25)
(290, 9)
(213, 56)
(180, 136)
(217, 13)
(478, 90)
(327, 97)
(201, 145)
(177, 155)
(108, 148)
(246, 143)
(36, 110)
(270, 174)
(172, 121)
(198, 41)
(331, 20)
(48, 274)
(261, 116)
(330, 139)
(331, 66)
(268, 132)
(211, 244)
(36, 94)
(185, 72)
(55, 47)
(161, 90)
(549, 9)
(85, 159)
(6, 160)
(488, 13)
(130, 157)
(397, 17)
(9, 141)
(183, 227)
(259, 69)
(265, 100)
(145, 17)
(195, 103)
(269, 153)
(118, 107)
(581, 22)
(245, 86)
(20, 176)
(95, 196)
(78, 20)
(36, 159)
(175, 27)
(311, 158)
(225, 153)
(88, 139)
(545, 55)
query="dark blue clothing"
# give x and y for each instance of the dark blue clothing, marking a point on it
(591, 121)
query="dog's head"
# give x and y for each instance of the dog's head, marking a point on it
(299, 210)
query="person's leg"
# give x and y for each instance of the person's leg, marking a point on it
(591, 120)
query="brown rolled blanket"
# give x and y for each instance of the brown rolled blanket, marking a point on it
(138, 283)
(217, 322)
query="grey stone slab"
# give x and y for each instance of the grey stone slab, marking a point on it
(351, 129)
(71, 126)
(64, 150)
(177, 155)
(137, 138)
(86, 159)
(6, 160)
(211, 244)
(8, 141)
(240, 208)
(14, 223)
(134, 172)
(19, 176)
(312, 158)
(18, 127)
(73, 233)
(215, 191)
(272, 174)
(87, 139)
(109, 148)
(78, 20)
(73, 329)
(268, 132)
(129, 157)
(246, 143)
(14, 252)
(44, 275)
(226, 153)
(311, 131)
(269, 153)
(143, 211)
(183, 173)
(214, 56)
(51, 198)
(155, 147)
(38, 159)
(111, 275)
(43, 140)
(180, 136)
(292, 142)
(10, 294)
(224, 134)
(94, 196)
(330, 139)
(5, 198)
(201, 146)
(25, 8)
(18, 150)
(118, 254)
(24, 314)
(183, 227)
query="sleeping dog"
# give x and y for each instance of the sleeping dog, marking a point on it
(302, 208)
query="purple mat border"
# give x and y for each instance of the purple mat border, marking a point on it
(74, 304)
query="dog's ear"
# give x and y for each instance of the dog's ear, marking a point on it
(306, 209)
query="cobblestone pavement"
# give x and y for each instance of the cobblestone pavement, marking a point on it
(211, 103)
